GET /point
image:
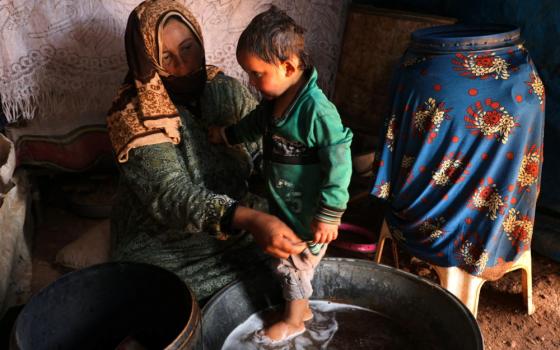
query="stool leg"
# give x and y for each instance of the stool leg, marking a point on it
(395, 253)
(383, 235)
(527, 286)
(526, 281)
(464, 286)
(379, 249)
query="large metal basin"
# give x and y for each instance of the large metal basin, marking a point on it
(424, 308)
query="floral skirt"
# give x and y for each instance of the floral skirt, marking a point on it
(461, 152)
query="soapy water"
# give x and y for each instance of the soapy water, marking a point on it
(333, 327)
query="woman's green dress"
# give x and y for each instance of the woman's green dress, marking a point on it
(172, 198)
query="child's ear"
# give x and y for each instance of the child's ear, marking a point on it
(291, 65)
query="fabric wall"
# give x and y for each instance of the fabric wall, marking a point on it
(539, 21)
(67, 57)
(61, 61)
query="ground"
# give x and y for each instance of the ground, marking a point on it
(502, 316)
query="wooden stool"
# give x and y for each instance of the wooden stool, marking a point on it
(383, 235)
(463, 285)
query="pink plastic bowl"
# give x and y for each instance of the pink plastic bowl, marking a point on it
(355, 238)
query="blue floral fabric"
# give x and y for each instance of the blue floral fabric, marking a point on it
(461, 154)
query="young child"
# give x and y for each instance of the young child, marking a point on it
(307, 161)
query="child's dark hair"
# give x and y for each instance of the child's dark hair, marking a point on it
(273, 36)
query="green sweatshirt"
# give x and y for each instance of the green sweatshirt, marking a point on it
(307, 160)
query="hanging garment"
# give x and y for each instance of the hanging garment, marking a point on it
(461, 153)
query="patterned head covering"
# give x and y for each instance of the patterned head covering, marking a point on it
(142, 112)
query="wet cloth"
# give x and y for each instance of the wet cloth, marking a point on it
(307, 158)
(461, 152)
(296, 273)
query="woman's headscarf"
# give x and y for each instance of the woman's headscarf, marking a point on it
(142, 112)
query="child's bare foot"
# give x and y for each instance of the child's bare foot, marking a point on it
(283, 330)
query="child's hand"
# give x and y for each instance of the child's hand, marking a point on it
(215, 135)
(323, 232)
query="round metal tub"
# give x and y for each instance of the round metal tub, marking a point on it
(422, 307)
(98, 307)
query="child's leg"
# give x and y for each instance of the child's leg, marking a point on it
(295, 311)
(308, 314)
(295, 275)
(306, 263)
(292, 322)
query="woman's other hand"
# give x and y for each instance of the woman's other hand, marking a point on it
(270, 233)
(215, 135)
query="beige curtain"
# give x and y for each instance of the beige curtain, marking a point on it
(63, 60)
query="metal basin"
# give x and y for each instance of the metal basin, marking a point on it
(424, 308)
(98, 307)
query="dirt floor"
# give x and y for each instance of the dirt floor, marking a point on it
(502, 316)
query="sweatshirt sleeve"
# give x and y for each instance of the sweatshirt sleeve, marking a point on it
(248, 129)
(157, 176)
(333, 142)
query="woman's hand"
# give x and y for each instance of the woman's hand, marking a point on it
(270, 233)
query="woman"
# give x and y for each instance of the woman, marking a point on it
(178, 203)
